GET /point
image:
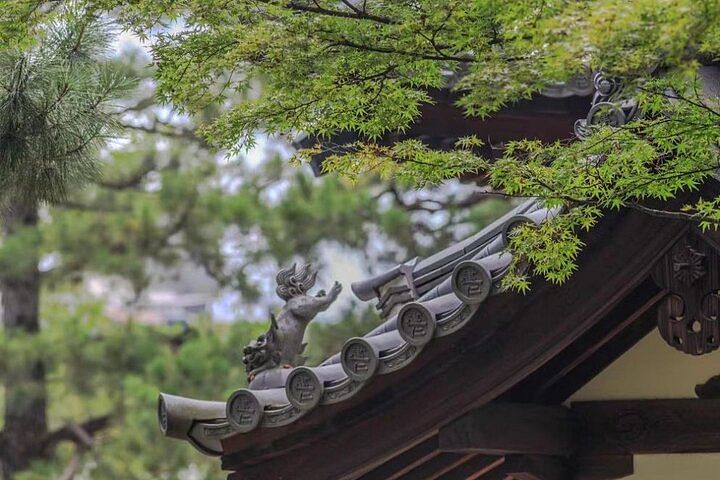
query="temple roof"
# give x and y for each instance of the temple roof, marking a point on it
(421, 300)
(378, 410)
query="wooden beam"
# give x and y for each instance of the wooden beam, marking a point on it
(474, 468)
(529, 467)
(592, 352)
(405, 462)
(592, 428)
(437, 467)
(536, 467)
(649, 426)
(605, 467)
(607, 433)
(510, 428)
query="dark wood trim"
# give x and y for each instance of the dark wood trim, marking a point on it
(463, 460)
(475, 468)
(528, 467)
(536, 467)
(583, 373)
(505, 429)
(649, 426)
(405, 462)
(437, 466)
(443, 122)
(595, 428)
(605, 467)
(563, 375)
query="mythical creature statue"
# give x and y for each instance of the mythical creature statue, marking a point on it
(282, 345)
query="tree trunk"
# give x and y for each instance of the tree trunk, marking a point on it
(25, 391)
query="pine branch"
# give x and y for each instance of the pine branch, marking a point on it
(86, 207)
(134, 179)
(139, 106)
(161, 128)
(80, 434)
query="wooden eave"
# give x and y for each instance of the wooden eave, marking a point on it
(442, 123)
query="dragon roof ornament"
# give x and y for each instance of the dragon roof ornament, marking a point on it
(282, 345)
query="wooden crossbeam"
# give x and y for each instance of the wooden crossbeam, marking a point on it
(602, 467)
(588, 441)
(649, 426)
(536, 467)
(588, 428)
(503, 428)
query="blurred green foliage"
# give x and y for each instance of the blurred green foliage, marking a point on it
(161, 198)
(97, 366)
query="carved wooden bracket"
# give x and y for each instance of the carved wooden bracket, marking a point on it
(688, 316)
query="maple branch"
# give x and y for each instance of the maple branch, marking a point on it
(355, 14)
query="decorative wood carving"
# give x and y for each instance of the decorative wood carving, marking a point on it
(688, 316)
(648, 426)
